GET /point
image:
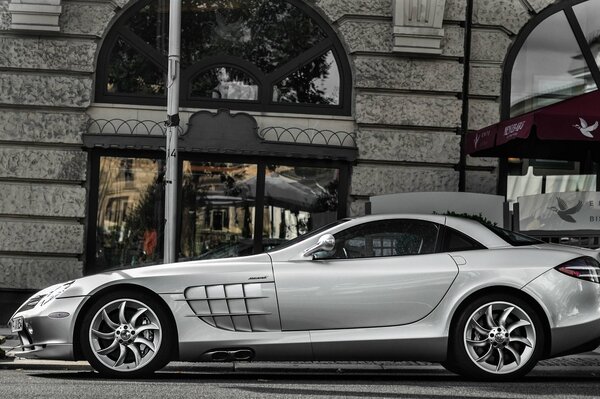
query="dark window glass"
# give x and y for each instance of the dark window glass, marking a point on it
(217, 207)
(588, 15)
(130, 212)
(224, 83)
(386, 238)
(514, 239)
(549, 67)
(131, 73)
(318, 82)
(456, 241)
(298, 200)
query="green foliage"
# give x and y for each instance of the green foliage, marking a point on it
(479, 217)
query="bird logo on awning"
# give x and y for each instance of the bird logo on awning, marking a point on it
(564, 212)
(585, 129)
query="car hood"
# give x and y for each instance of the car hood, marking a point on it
(175, 277)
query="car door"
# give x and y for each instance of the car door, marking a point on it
(382, 273)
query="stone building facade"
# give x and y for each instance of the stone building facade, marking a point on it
(406, 109)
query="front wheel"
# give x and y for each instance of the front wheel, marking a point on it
(126, 334)
(497, 337)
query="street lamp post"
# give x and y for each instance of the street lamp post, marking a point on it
(172, 131)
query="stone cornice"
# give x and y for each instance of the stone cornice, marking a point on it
(35, 15)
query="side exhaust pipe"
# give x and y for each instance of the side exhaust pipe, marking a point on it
(230, 355)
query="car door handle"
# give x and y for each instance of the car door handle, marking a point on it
(460, 261)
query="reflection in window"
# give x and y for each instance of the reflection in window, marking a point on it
(549, 67)
(217, 209)
(298, 200)
(588, 15)
(130, 209)
(224, 83)
(386, 238)
(318, 82)
(131, 73)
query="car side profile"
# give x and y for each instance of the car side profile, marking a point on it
(483, 301)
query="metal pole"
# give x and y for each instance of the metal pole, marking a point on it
(172, 131)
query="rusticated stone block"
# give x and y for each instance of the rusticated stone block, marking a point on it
(389, 145)
(4, 15)
(37, 273)
(379, 180)
(41, 237)
(85, 19)
(408, 110)
(408, 74)
(39, 53)
(489, 45)
(453, 43)
(40, 200)
(486, 80)
(539, 5)
(510, 14)
(58, 91)
(481, 182)
(371, 36)
(455, 10)
(42, 127)
(335, 9)
(483, 113)
(16, 162)
(357, 207)
(482, 161)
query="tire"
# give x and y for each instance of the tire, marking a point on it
(127, 335)
(496, 337)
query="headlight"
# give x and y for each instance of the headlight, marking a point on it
(55, 293)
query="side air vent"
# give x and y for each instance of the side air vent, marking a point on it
(235, 307)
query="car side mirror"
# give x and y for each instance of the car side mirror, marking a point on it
(326, 243)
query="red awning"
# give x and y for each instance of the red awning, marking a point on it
(567, 130)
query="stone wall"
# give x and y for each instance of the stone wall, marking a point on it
(408, 107)
(46, 84)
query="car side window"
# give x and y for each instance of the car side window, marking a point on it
(455, 241)
(386, 238)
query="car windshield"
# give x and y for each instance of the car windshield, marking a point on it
(514, 239)
(309, 234)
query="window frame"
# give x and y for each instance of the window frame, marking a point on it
(266, 82)
(94, 156)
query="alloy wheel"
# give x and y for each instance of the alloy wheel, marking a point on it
(125, 335)
(500, 337)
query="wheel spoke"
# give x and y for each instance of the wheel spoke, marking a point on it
(110, 335)
(480, 329)
(122, 355)
(486, 356)
(481, 343)
(122, 319)
(145, 327)
(109, 349)
(136, 353)
(500, 359)
(515, 325)
(522, 340)
(515, 354)
(108, 321)
(150, 345)
(489, 317)
(504, 316)
(137, 315)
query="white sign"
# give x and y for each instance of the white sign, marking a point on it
(560, 211)
(490, 207)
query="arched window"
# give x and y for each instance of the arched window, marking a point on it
(555, 57)
(262, 55)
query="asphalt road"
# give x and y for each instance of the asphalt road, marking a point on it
(409, 383)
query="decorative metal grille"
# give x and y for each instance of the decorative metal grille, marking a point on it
(128, 127)
(308, 136)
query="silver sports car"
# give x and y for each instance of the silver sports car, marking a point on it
(484, 302)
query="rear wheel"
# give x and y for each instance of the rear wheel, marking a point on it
(126, 334)
(497, 337)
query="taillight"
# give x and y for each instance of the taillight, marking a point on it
(584, 268)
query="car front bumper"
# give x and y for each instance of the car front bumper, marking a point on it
(48, 330)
